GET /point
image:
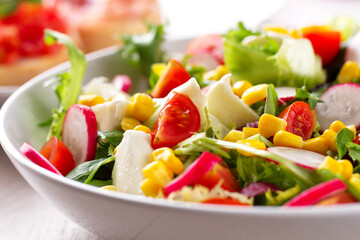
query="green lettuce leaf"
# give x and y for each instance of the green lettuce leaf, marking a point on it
(107, 142)
(69, 83)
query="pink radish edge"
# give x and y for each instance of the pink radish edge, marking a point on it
(257, 188)
(193, 173)
(80, 133)
(341, 102)
(285, 95)
(122, 83)
(33, 155)
(315, 194)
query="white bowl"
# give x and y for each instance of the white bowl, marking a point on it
(114, 215)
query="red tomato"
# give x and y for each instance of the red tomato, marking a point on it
(339, 198)
(220, 173)
(225, 201)
(177, 121)
(212, 44)
(59, 155)
(174, 75)
(300, 119)
(357, 139)
(326, 43)
(9, 43)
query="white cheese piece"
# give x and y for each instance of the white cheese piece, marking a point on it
(110, 114)
(101, 87)
(226, 106)
(133, 153)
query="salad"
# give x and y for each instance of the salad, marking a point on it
(247, 118)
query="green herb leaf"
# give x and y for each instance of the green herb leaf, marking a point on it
(311, 98)
(271, 103)
(69, 85)
(107, 142)
(7, 7)
(344, 136)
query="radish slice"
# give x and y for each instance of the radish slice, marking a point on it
(285, 94)
(341, 102)
(257, 188)
(303, 158)
(122, 83)
(319, 192)
(353, 49)
(203, 59)
(193, 173)
(33, 155)
(80, 133)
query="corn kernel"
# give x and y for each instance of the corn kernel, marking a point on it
(330, 164)
(336, 126)
(355, 181)
(240, 87)
(255, 94)
(353, 129)
(234, 136)
(276, 29)
(348, 72)
(158, 68)
(269, 125)
(346, 168)
(109, 187)
(249, 131)
(142, 128)
(330, 135)
(167, 156)
(150, 188)
(287, 139)
(129, 123)
(141, 107)
(90, 100)
(115, 150)
(318, 144)
(158, 172)
(218, 73)
(252, 143)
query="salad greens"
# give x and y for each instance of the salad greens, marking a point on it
(69, 83)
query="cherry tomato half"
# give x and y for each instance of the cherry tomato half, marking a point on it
(59, 155)
(177, 121)
(174, 75)
(212, 44)
(300, 119)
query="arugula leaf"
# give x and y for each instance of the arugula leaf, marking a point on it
(99, 169)
(7, 7)
(107, 142)
(141, 51)
(271, 103)
(100, 183)
(344, 136)
(311, 98)
(69, 85)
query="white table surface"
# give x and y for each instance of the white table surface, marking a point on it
(25, 215)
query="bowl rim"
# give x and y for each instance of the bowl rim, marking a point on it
(263, 211)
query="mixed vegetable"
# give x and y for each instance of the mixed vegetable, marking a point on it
(248, 118)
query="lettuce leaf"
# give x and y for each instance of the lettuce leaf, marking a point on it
(69, 83)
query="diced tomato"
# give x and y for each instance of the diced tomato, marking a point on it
(300, 119)
(220, 173)
(212, 44)
(326, 42)
(225, 201)
(339, 198)
(9, 43)
(174, 75)
(59, 155)
(177, 121)
(357, 139)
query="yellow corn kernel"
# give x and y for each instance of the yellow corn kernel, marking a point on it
(142, 128)
(218, 73)
(336, 126)
(318, 144)
(330, 164)
(109, 187)
(158, 172)
(269, 125)
(288, 139)
(353, 129)
(348, 72)
(90, 100)
(249, 131)
(255, 94)
(276, 29)
(167, 156)
(295, 33)
(330, 135)
(141, 106)
(346, 168)
(252, 143)
(115, 150)
(158, 68)
(129, 123)
(240, 87)
(234, 136)
(355, 181)
(150, 188)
